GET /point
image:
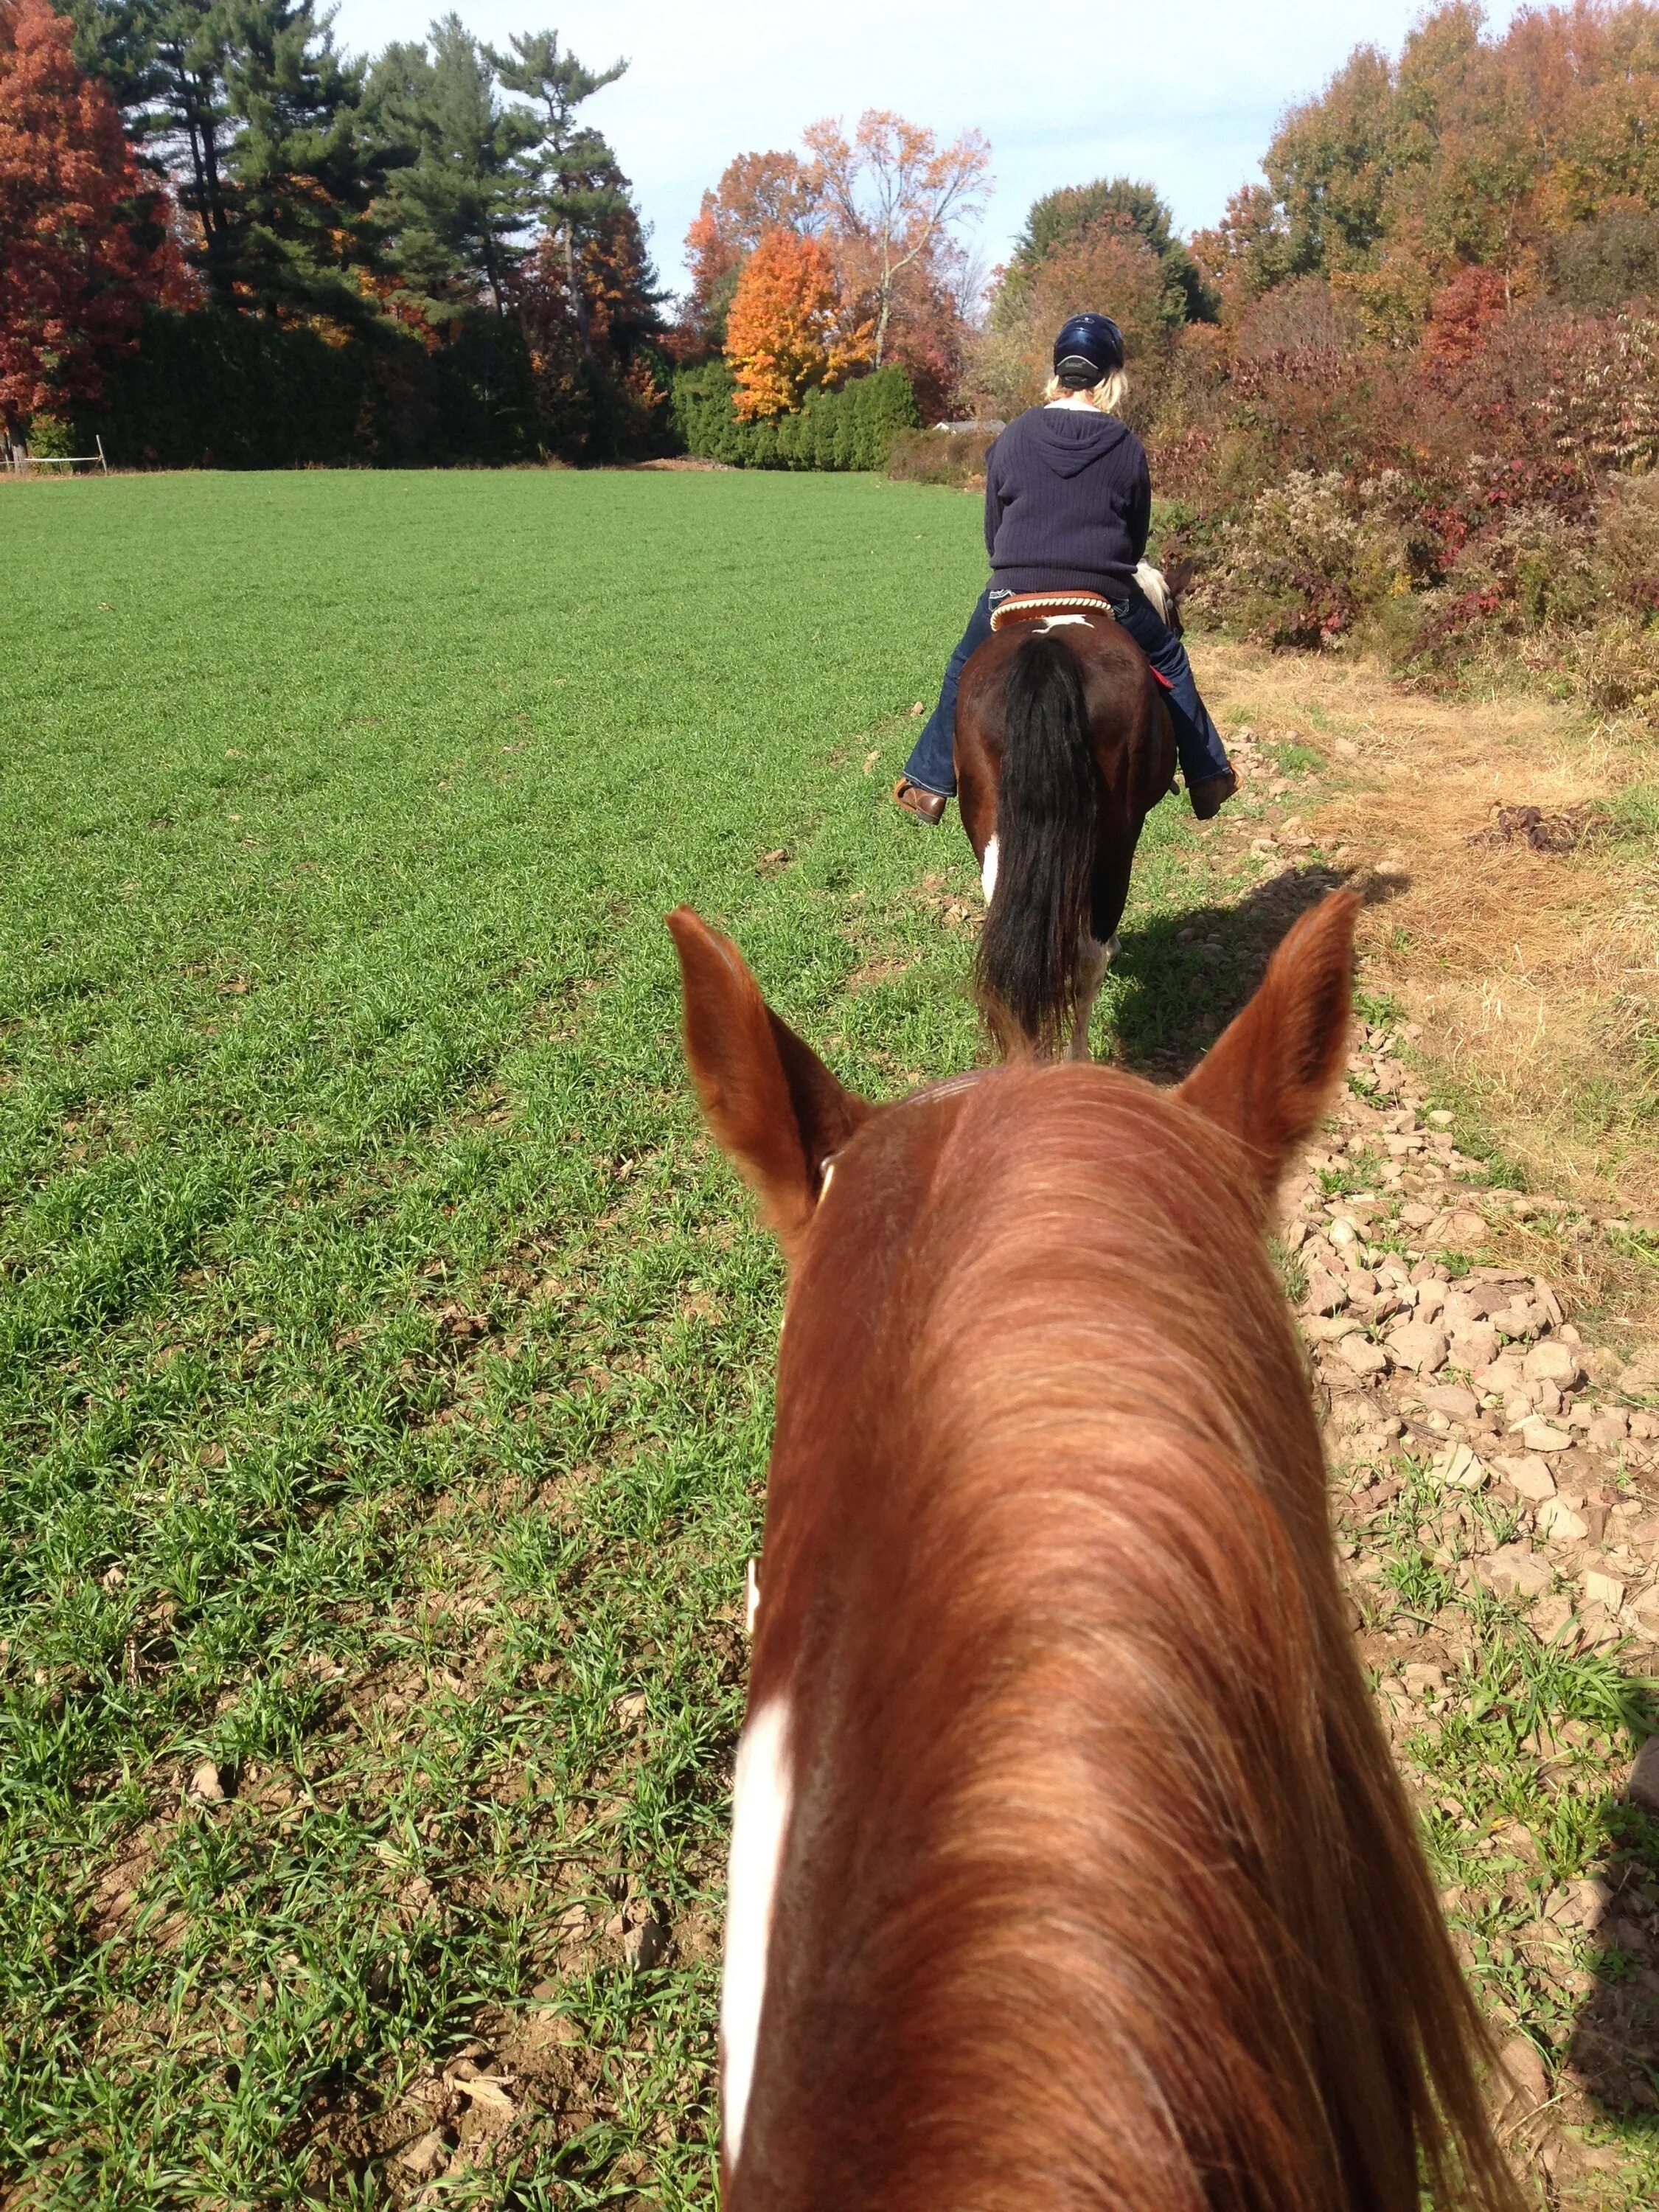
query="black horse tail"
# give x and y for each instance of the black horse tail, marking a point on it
(1025, 973)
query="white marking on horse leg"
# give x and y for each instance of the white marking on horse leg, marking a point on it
(760, 1820)
(750, 1597)
(1093, 959)
(988, 870)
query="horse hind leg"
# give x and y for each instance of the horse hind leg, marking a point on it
(1093, 959)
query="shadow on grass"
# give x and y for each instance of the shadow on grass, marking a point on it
(1182, 976)
(1613, 2053)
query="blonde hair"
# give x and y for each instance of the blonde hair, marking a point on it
(1109, 395)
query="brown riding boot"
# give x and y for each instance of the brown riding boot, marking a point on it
(1211, 794)
(914, 798)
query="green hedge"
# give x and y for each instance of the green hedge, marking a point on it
(209, 390)
(853, 428)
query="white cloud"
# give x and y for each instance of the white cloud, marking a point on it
(1185, 94)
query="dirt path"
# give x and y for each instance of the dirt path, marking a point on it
(1484, 1352)
(1534, 972)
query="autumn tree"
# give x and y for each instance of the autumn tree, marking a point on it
(756, 193)
(788, 331)
(1245, 254)
(75, 261)
(895, 197)
(1105, 267)
(1060, 219)
(888, 206)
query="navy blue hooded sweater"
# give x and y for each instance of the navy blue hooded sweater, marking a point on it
(1068, 500)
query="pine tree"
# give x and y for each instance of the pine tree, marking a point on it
(582, 189)
(304, 172)
(458, 207)
(256, 118)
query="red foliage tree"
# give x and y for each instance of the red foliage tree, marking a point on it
(74, 266)
(1463, 311)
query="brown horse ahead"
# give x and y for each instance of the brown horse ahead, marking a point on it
(1063, 746)
(1069, 1869)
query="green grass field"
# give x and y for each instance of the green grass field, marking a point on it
(385, 1357)
(384, 1354)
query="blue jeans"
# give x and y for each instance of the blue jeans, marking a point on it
(1198, 742)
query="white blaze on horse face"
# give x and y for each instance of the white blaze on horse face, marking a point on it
(988, 870)
(1059, 622)
(760, 1820)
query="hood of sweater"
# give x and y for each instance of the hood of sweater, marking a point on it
(1070, 439)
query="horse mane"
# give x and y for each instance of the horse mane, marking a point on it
(1131, 1912)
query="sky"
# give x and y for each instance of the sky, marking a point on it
(1184, 93)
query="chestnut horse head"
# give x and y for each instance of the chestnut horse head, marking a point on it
(1063, 746)
(1068, 1866)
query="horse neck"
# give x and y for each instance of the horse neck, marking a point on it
(1087, 1774)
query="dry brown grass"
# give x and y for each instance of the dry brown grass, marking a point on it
(1534, 975)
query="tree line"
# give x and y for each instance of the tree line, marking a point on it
(224, 158)
(437, 242)
(1471, 176)
(811, 268)
(1411, 205)
(1426, 419)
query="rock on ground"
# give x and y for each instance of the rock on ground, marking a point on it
(1481, 1450)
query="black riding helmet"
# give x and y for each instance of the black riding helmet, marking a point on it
(1089, 349)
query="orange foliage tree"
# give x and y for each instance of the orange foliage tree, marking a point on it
(756, 193)
(786, 333)
(74, 264)
(887, 206)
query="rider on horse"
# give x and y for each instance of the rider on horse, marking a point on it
(1068, 499)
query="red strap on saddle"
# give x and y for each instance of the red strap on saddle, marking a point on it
(1163, 679)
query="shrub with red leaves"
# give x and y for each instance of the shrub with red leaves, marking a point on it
(1441, 491)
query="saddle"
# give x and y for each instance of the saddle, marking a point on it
(1053, 609)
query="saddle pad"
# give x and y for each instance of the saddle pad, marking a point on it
(1051, 606)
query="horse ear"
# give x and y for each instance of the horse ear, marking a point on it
(1270, 1075)
(773, 1106)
